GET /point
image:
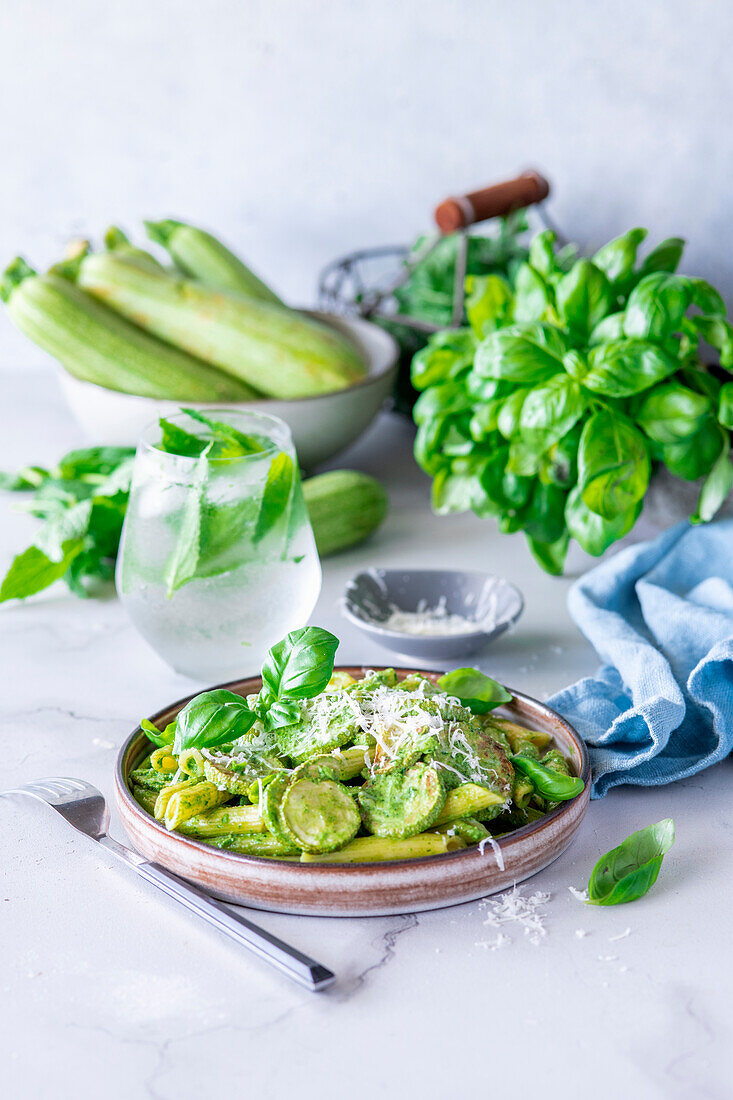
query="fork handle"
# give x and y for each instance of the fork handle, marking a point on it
(296, 965)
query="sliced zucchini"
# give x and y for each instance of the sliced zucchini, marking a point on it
(327, 722)
(319, 815)
(272, 797)
(403, 801)
(323, 766)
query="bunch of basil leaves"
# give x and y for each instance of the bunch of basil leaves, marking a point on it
(551, 409)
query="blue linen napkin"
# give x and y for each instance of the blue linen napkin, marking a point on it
(660, 616)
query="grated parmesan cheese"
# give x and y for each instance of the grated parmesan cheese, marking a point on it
(581, 895)
(431, 622)
(496, 848)
(515, 908)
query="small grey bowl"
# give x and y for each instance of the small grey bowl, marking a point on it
(490, 601)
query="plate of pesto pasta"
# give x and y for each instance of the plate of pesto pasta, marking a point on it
(348, 791)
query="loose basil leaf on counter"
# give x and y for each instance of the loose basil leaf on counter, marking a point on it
(213, 718)
(159, 737)
(613, 464)
(549, 784)
(474, 689)
(629, 871)
(299, 666)
(32, 571)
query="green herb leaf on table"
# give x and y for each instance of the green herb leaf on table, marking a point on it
(474, 689)
(549, 784)
(629, 871)
(32, 571)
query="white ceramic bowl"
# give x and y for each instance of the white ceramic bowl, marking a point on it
(321, 426)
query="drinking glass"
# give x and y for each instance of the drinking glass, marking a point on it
(217, 560)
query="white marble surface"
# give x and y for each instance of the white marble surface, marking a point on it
(106, 989)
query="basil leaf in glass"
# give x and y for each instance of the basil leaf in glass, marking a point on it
(231, 442)
(613, 464)
(175, 440)
(629, 871)
(474, 689)
(212, 718)
(549, 784)
(299, 666)
(276, 495)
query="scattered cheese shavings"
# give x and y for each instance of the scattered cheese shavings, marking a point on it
(621, 936)
(496, 848)
(581, 895)
(515, 908)
(580, 933)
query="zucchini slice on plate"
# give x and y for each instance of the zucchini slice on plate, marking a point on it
(402, 801)
(319, 815)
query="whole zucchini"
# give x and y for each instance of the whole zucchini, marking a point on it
(96, 345)
(279, 352)
(345, 507)
(203, 257)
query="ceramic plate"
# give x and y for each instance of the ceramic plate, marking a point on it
(353, 890)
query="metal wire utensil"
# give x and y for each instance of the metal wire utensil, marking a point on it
(364, 282)
(84, 807)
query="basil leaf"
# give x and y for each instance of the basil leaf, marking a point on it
(694, 456)
(453, 493)
(706, 297)
(281, 714)
(621, 368)
(613, 464)
(716, 487)
(445, 399)
(474, 689)
(299, 666)
(32, 571)
(717, 332)
(549, 784)
(488, 303)
(544, 519)
(542, 254)
(629, 871)
(584, 296)
(98, 461)
(184, 560)
(664, 257)
(525, 354)
(213, 718)
(617, 258)
(175, 440)
(510, 411)
(232, 442)
(610, 328)
(672, 412)
(593, 532)
(30, 477)
(550, 555)
(657, 305)
(550, 411)
(725, 405)
(444, 353)
(276, 495)
(159, 737)
(532, 296)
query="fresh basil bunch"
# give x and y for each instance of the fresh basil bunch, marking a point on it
(551, 411)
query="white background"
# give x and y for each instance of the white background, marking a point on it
(300, 130)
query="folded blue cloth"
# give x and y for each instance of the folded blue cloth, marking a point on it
(660, 616)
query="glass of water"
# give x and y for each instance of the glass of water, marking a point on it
(217, 559)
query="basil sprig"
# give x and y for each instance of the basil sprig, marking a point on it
(570, 384)
(298, 667)
(629, 871)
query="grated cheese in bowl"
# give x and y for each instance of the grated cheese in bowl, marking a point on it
(430, 622)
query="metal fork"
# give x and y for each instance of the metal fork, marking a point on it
(84, 807)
